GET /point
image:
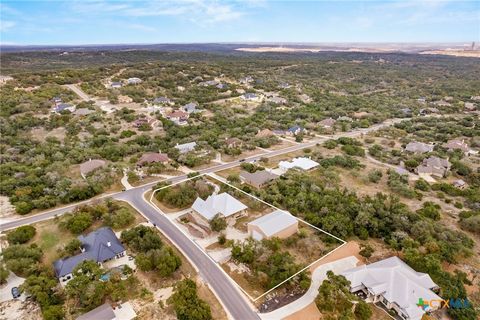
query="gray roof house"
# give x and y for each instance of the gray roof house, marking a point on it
(293, 131)
(434, 166)
(162, 100)
(419, 147)
(122, 311)
(100, 245)
(64, 107)
(186, 147)
(223, 204)
(190, 107)
(394, 284)
(116, 84)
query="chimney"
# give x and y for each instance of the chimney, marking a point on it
(109, 244)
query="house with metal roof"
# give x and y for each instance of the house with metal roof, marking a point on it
(258, 179)
(223, 204)
(394, 284)
(186, 147)
(100, 246)
(134, 80)
(295, 130)
(301, 163)
(64, 107)
(278, 223)
(116, 84)
(251, 97)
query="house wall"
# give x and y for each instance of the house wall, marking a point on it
(282, 234)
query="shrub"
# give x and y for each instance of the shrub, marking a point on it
(375, 176)
(187, 304)
(422, 185)
(218, 223)
(430, 210)
(363, 311)
(21, 235)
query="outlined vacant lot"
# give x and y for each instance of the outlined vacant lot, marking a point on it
(277, 261)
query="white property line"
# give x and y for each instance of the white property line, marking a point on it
(266, 203)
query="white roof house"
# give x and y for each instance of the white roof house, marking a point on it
(186, 147)
(397, 284)
(223, 204)
(276, 223)
(300, 163)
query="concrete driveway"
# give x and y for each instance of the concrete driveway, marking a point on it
(6, 290)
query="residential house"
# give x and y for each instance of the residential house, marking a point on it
(56, 100)
(122, 311)
(90, 166)
(394, 284)
(327, 123)
(470, 106)
(134, 80)
(419, 147)
(100, 246)
(426, 111)
(265, 133)
(258, 179)
(277, 100)
(407, 112)
(116, 84)
(142, 121)
(162, 101)
(152, 157)
(442, 103)
(345, 118)
(434, 166)
(246, 80)
(186, 147)
(295, 130)
(249, 96)
(83, 112)
(64, 107)
(457, 144)
(222, 204)
(301, 163)
(190, 107)
(221, 86)
(278, 223)
(233, 143)
(460, 184)
(178, 116)
(208, 83)
(422, 100)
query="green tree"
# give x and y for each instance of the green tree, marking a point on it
(218, 223)
(164, 261)
(3, 274)
(334, 298)
(363, 311)
(21, 235)
(187, 304)
(73, 247)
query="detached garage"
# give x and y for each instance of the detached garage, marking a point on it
(279, 224)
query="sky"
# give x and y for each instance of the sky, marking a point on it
(75, 22)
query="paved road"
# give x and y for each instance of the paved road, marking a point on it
(230, 297)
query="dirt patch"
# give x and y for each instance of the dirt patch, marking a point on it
(16, 309)
(310, 312)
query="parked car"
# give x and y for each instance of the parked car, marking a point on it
(16, 292)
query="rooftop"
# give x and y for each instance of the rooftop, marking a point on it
(301, 162)
(223, 204)
(274, 222)
(396, 281)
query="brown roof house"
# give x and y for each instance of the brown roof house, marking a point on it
(278, 223)
(327, 123)
(90, 166)
(265, 133)
(179, 117)
(434, 166)
(152, 157)
(419, 147)
(233, 143)
(258, 179)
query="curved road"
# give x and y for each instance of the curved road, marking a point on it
(232, 299)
